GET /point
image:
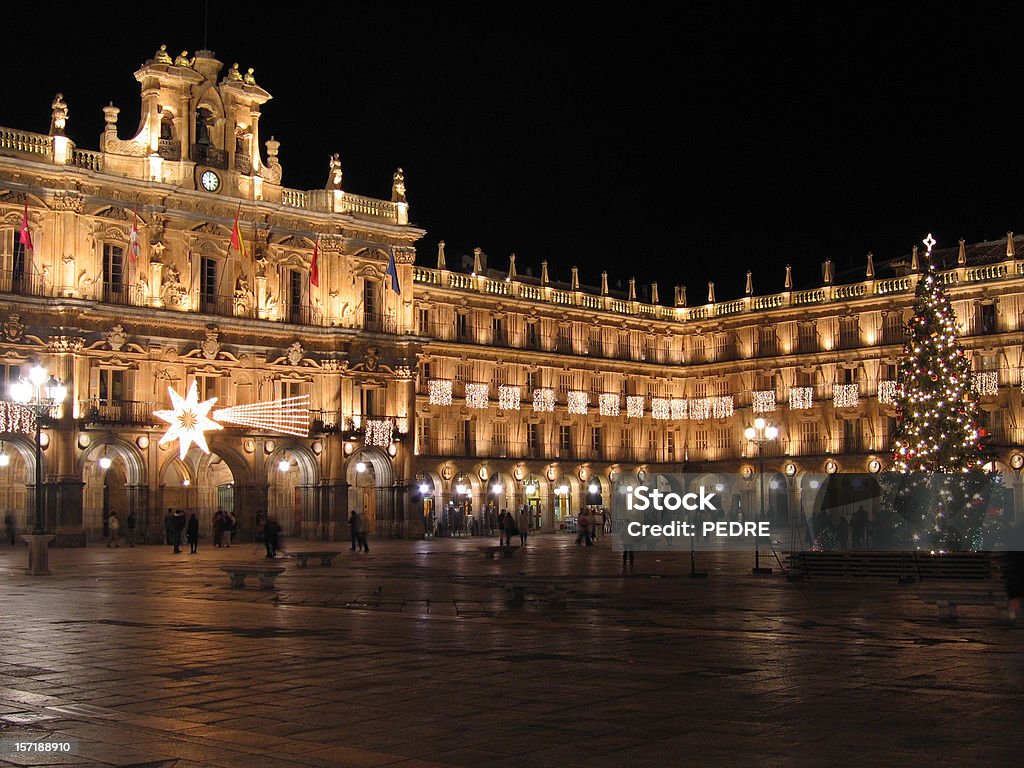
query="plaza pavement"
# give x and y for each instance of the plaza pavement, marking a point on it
(410, 656)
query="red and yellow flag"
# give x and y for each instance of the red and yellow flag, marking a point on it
(236, 235)
(314, 265)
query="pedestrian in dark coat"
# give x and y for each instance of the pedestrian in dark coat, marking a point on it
(192, 533)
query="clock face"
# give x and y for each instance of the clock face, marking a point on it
(210, 181)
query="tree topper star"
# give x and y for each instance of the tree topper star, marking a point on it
(188, 419)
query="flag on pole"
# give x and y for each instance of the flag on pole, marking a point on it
(133, 238)
(26, 237)
(236, 235)
(393, 274)
(314, 266)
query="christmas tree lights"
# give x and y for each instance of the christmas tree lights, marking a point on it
(801, 398)
(578, 402)
(937, 442)
(543, 400)
(764, 401)
(680, 409)
(508, 398)
(661, 408)
(635, 406)
(609, 404)
(440, 391)
(478, 396)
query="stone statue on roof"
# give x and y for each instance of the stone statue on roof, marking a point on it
(60, 115)
(233, 74)
(162, 56)
(334, 174)
(398, 187)
(250, 76)
(183, 60)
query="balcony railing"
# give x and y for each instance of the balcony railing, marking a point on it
(126, 412)
(379, 323)
(22, 284)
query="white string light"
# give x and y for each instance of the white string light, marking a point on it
(543, 400)
(801, 398)
(985, 383)
(609, 404)
(289, 415)
(508, 398)
(845, 395)
(764, 401)
(700, 408)
(477, 396)
(378, 433)
(17, 418)
(440, 391)
(635, 406)
(661, 408)
(722, 407)
(887, 392)
(578, 402)
(680, 408)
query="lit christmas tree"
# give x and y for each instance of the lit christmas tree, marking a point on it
(937, 446)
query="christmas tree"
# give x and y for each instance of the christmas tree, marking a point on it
(937, 449)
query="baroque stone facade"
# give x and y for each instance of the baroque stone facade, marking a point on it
(471, 386)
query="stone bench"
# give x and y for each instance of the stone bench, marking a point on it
(554, 593)
(947, 598)
(490, 552)
(325, 557)
(266, 574)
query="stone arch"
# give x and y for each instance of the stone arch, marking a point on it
(372, 492)
(128, 453)
(291, 494)
(17, 479)
(122, 487)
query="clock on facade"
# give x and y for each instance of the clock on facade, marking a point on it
(1017, 461)
(210, 181)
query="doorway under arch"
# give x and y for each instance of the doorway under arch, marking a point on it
(292, 476)
(372, 491)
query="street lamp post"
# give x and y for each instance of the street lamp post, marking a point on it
(760, 434)
(39, 393)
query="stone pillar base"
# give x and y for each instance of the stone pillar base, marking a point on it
(39, 554)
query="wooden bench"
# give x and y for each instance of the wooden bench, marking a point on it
(489, 552)
(325, 557)
(554, 593)
(947, 597)
(266, 574)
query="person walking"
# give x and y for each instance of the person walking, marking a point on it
(352, 529)
(583, 522)
(509, 526)
(192, 533)
(272, 536)
(178, 529)
(114, 526)
(359, 527)
(130, 526)
(232, 527)
(9, 530)
(859, 527)
(218, 528)
(169, 525)
(523, 524)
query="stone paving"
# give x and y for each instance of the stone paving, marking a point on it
(411, 656)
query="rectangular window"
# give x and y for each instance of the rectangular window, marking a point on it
(595, 347)
(111, 385)
(113, 274)
(208, 283)
(12, 262)
(532, 335)
(372, 401)
(294, 388)
(563, 339)
(206, 386)
(565, 440)
(808, 338)
(371, 308)
(295, 281)
(767, 342)
(670, 446)
(423, 322)
(700, 439)
(498, 332)
(596, 442)
(499, 439)
(533, 440)
(849, 332)
(461, 326)
(9, 374)
(652, 444)
(531, 382)
(986, 318)
(810, 438)
(892, 332)
(468, 443)
(423, 435)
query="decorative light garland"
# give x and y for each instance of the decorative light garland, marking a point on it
(801, 398)
(289, 415)
(985, 383)
(888, 391)
(189, 420)
(700, 408)
(508, 397)
(378, 433)
(635, 406)
(680, 408)
(440, 391)
(722, 407)
(764, 401)
(578, 402)
(609, 404)
(543, 400)
(17, 418)
(661, 408)
(478, 396)
(845, 395)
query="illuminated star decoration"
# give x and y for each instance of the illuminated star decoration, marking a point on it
(929, 242)
(188, 419)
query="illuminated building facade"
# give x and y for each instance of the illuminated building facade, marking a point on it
(469, 385)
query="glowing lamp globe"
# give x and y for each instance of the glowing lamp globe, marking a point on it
(759, 423)
(360, 466)
(749, 433)
(20, 391)
(4, 460)
(105, 462)
(38, 375)
(771, 432)
(284, 465)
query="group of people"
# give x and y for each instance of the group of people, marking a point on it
(225, 525)
(113, 532)
(357, 530)
(268, 533)
(590, 524)
(512, 524)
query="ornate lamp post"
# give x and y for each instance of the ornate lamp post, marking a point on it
(39, 393)
(760, 434)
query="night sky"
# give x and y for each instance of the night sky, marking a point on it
(682, 146)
